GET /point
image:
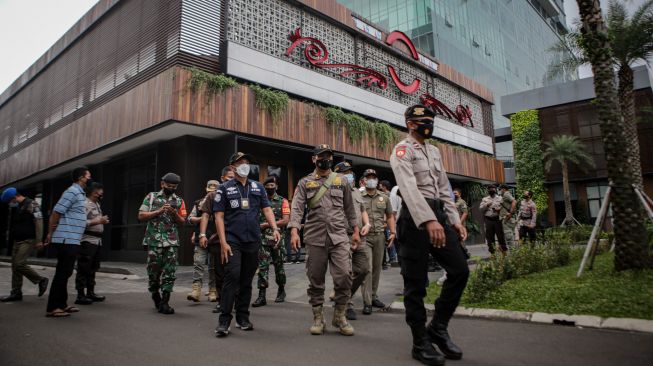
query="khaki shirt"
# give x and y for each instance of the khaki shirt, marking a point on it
(329, 218)
(526, 209)
(93, 211)
(490, 206)
(420, 174)
(359, 207)
(377, 206)
(506, 203)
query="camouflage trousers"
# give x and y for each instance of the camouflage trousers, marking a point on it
(509, 231)
(270, 255)
(161, 268)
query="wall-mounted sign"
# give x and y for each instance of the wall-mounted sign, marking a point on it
(317, 54)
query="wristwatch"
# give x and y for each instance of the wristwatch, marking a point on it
(202, 235)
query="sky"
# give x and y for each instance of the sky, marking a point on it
(29, 27)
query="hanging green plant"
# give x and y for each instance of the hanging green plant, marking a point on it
(385, 135)
(529, 168)
(358, 127)
(215, 83)
(274, 102)
(335, 116)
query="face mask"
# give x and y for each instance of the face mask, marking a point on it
(371, 183)
(13, 204)
(99, 198)
(243, 170)
(323, 164)
(270, 191)
(492, 193)
(425, 130)
(350, 179)
(169, 191)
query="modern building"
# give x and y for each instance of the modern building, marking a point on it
(502, 44)
(122, 92)
(567, 109)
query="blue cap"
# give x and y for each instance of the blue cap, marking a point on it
(8, 194)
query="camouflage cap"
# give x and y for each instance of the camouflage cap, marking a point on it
(370, 172)
(240, 155)
(212, 185)
(342, 167)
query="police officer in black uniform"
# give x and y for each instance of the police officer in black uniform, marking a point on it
(237, 206)
(428, 222)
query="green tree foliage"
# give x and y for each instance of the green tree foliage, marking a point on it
(528, 156)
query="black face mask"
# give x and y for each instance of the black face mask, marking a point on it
(425, 130)
(270, 191)
(99, 198)
(323, 164)
(169, 191)
(492, 193)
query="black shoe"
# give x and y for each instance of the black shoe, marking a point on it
(367, 309)
(281, 295)
(260, 300)
(438, 334)
(94, 297)
(244, 325)
(216, 309)
(351, 314)
(83, 300)
(12, 297)
(165, 308)
(43, 286)
(385, 267)
(426, 354)
(378, 304)
(222, 330)
(156, 297)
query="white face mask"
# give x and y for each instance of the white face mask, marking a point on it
(371, 183)
(243, 170)
(350, 179)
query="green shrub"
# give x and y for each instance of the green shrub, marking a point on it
(274, 102)
(215, 83)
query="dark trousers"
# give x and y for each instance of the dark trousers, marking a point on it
(413, 251)
(238, 275)
(66, 256)
(527, 231)
(494, 228)
(217, 268)
(88, 262)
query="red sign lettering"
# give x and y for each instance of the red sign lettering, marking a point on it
(316, 53)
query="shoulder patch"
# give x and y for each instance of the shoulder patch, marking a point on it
(400, 151)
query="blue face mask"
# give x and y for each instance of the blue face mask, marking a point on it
(350, 179)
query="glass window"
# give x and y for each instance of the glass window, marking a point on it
(593, 192)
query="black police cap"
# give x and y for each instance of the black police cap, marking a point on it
(418, 111)
(342, 167)
(240, 155)
(171, 178)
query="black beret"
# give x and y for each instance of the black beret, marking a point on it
(271, 179)
(418, 111)
(171, 178)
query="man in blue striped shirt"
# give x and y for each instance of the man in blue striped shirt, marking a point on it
(67, 224)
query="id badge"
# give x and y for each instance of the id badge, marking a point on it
(244, 203)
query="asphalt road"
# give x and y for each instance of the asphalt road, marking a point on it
(126, 330)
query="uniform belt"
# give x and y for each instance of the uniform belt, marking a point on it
(436, 205)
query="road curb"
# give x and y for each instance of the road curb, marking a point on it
(588, 321)
(46, 263)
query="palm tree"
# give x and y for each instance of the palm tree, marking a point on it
(567, 149)
(631, 249)
(631, 40)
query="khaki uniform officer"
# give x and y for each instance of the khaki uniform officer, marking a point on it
(360, 266)
(328, 196)
(428, 222)
(379, 210)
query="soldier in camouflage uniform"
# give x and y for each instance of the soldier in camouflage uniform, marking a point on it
(164, 211)
(271, 252)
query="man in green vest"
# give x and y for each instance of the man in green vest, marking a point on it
(271, 252)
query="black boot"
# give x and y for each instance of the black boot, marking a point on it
(90, 293)
(281, 295)
(260, 300)
(438, 334)
(164, 308)
(82, 299)
(156, 297)
(423, 350)
(12, 297)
